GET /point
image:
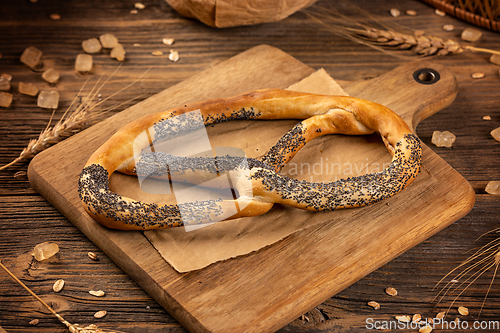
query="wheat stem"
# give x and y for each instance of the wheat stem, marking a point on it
(480, 49)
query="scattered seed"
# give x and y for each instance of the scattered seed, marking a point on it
(439, 13)
(493, 188)
(92, 256)
(58, 285)
(157, 53)
(136, 44)
(304, 318)
(416, 318)
(139, 5)
(134, 11)
(34, 322)
(426, 329)
(374, 305)
(403, 318)
(395, 12)
(168, 41)
(100, 314)
(173, 56)
(440, 315)
(448, 27)
(471, 35)
(97, 293)
(486, 118)
(55, 17)
(391, 291)
(20, 175)
(410, 12)
(454, 281)
(477, 75)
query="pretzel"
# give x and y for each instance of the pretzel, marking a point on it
(257, 182)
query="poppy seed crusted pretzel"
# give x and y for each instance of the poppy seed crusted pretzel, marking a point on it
(258, 183)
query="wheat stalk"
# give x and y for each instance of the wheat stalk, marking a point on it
(389, 38)
(83, 116)
(484, 259)
(73, 328)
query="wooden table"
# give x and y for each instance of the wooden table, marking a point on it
(27, 219)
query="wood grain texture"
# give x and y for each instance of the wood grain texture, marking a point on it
(27, 219)
(300, 269)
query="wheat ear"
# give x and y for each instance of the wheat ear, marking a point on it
(73, 328)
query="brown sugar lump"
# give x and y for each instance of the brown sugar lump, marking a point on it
(31, 57)
(471, 35)
(496, 133)
(443, 139)
(108, 41)
(84, 62)
(493, 187)
(51, 75)
(48, 99)
(5, 99)
(91, 45)
(28, 89)
(118, 52)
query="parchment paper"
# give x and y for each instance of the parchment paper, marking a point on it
(191, 250)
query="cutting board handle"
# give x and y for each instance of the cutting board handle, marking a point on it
(415, 90)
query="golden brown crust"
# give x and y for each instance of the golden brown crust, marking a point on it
(259, 184)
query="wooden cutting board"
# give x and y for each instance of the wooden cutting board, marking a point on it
(265, 290)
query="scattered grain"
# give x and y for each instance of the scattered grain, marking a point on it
(395, 12)
(48, 99)
(45, 250)
(440, 315)
(374, 305)
(5, 99)
(425, 329)
(91, 45)
(416, 318)
(173, 56)
(168, 41)
(108, 41)
(97, 293)
(31, 57)
(391, 291)
(443, 139)
(448, 27)
(118, 52)
(157, 53)
(471, 35)
(496, 133)
(403, 318)
(58, 285)
(477, 75)
(34, 322)
(486, 118)
(28, 89)
(92, 256)
(139, 5)
(134, 11)
(84, 63)
(439, 13)
(50, 75)
(6, 76)
(136, 45)
(411, 12)
(493, 187)
(55, 17)
(20, 175)
(100, 314)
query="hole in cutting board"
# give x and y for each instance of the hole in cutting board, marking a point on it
(426, 76)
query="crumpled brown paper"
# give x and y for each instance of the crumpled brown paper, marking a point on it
(229, 13)
(317, 161)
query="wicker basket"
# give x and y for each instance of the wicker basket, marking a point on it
(477, 12)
